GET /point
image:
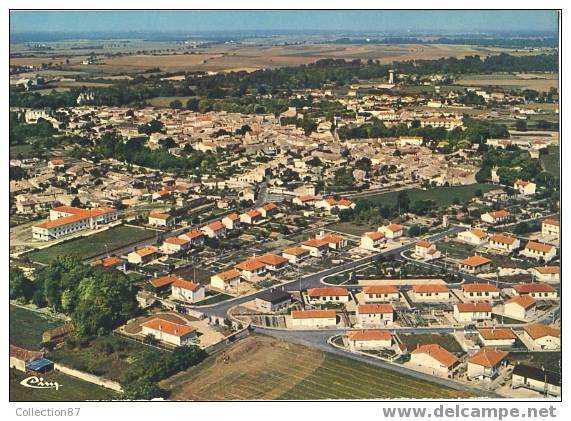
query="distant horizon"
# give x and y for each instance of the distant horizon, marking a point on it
(401, 22)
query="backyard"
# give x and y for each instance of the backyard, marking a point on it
(27, 327)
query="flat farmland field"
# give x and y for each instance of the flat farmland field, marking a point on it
(92, 245)
(27, 327)
(543, 82)
(264, 368)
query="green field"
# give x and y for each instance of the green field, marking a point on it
(27, 327)
(445, 341)
(343, 378)
(106, 356)
(351, 228)
(164, 101)
(443, 196)
(71, 389)
(93, 245)
(550, 162)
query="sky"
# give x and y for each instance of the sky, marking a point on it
(199, 21)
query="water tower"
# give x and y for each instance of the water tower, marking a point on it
(391, 77)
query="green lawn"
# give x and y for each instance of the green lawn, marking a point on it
(550, 162)
(214, 299)
(106, 356)
(70, 389)
(443, 196)
(352, 228)
(445, 341)
(27, 327)
(549, 360)
(343, 378)
(93, 245)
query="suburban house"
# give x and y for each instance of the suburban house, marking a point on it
(543, 337)
(373, 241)
(20, 357)
(521, 307)
(430, 292)
(226, 279)
(327, 295)
(214, 230)
(251, 268)
(481, 292)
(231, 221)
(345, 204)
(369, 339)
(526, 188)
(550, 227)
(537, 291)
(296, 254)
(375, 315)
(313, 318)
(112, 262)
(472, 312)
(496, 217)
(65, 220)
(316, 247)
(55, 163)
(538, 251)
(188, 291)
(143, 255)
(169, 332)
(426, 250)
(195, 237)
(273, 262)
(475, 264)
(486, 363)
(497, 337)
(268, 210)
(392, 231)
(475, 237)
(381, 293)
(327, 204)
(538, 379)
(163, 283)
(434, 359)
(504, 243)
(173, 245)
(546, 273)
(306, 200)
(273, 300)
(251, 217)
(161, 220)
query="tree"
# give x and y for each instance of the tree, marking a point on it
(76, 203)
(21, 288)
(521, 125)
(403, 201)
(176, 104)
(192, 104)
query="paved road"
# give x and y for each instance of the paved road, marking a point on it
(314, 280)
(318, 339)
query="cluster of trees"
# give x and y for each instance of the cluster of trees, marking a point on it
(20, 132)
(134, 151)
(140, 380)
(97, 300)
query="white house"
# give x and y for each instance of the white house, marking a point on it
(472, 312)
(475, 237)
(480, 292)
(231, 221)
(296, 255)
(173, 245)
(392, 231)
(550, 227)
(187, 291)
(327, 295)
(505, 243)
(521, 307)
(475, 264)
(526, 188)
(496, 217)
(434, 359)
(538, 251)
(251, 268)
(497, 337)
(546, 273)
(313, 318)
(161, 220)
(375, 315)
(143, 255)
(426, 250)
(215, 229)
(485, 363)
(169, 332)
(316, 247)
(227, 279)
(373, 241)
(537, 291)
(369, 339)
(430, 293)
(381, 293)
(543, 337)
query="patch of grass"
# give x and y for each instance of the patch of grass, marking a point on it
(214, 299)
(445, 341)
(27, 327)
(343, 378)
(93, 245)
(71, 389)
(164, 101)
(106, 356)
(352, 228)
(443, 196)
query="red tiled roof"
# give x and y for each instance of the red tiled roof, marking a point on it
(375, 308)
(369, 335)
(497, 333)
(524, 301)
(424, 288)
(475, 261)
(480, 288)
(488, 357)
(250, 264)
(474, 307)
(313, 314)
(184, 284)
(272, 259)
(296, 251)
(529, 288)
(381, 289)
(374, 235)
(229, 274)
(165, 280)
(538, 330)
(327, 292)
(170, 328)
(541, 247)
(440, 354)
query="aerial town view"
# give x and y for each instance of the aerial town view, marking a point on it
(216, 206)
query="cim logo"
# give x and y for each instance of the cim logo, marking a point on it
(39, 383)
